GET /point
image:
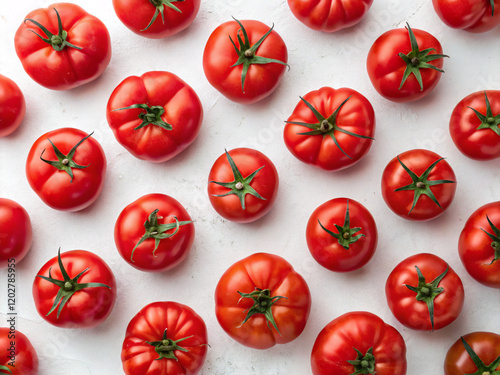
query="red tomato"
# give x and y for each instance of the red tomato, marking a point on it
(329, 15)
(154, 233)
(242, 185)
(475, 353)
(154, 116)
(12, 106)
(358, 342)
(479, 245)
(156, 19)
(418, 185)
(475, 16)
(76, 289)
(245, 60)
(474, 125)
(15, 232)
(331, 129)
(18, 354)
(404, 64)
(341, 235)
(424, 293)
(165, 338)
(66, 168)
(261, 301)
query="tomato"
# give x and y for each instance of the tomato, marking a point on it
(475, 16)
(404, 64)
(156, 19)
(15, 232)
(358, 342)
(329, 15)
(418, 185)
(165, 338)
(261, 301)
(154, 233)
(479, 245)
(424, 292)
(245, 60)
(76, 289)
(475, 125)
(477, 353)
(18, 354)
(155, 116)
(331, 129)
(12, 106)
(341, 235)
(242, 185)
(66, 168)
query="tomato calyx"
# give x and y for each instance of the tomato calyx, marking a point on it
(5, 368)
(482, 369)
(152, 116)
(262, 305)
(166, 347)
(488, 121)
(363, 364)
(496, 240)
(427, 292)
(160, 7)
(492, 2)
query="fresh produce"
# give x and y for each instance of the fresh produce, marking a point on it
(475, 16)
(12, 106)
(18, 354)
(15, 232)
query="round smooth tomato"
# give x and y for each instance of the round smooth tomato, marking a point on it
(66, 169)
(154, 233)
(329, 15)
(405, 64)
(12, 106)
(18, 354)
(76, 289)
(341, 235)
(250, 69)
(424, 292)
(165, 338)
(475, 16)
(242, 185)
(62, 46)
(479, 245)
(15, 232)
(475, 125)
(358, 342)
(261, 301)
(155, 116)
(156, 19)
(331, 129)
(418, 185)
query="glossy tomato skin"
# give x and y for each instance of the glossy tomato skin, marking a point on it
(137, 14)
(262, 271)
(470, 15)
(12, 106)
(478, 144)
(327, 250)
(15, 232)
(356, 116)
(329, 15)
(475, 246)
(415, 314)
(261, 80)
(53, 186)
(149, 324)
(335, 345)
(71, 67)
(183, 111)
(21, 353)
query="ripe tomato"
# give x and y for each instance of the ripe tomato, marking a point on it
(245, 60)
(154, 116)
(141, 16)
(331, 129)
(15, 232)
(474, 125)
(358, 342)
(475, 16)
(418, 185)
(404, 64)
(165, 338)
(66, 168)
(424, 293)
(479, 245)
(18, 354)
(242, 185)
(154, 233)
(329, 15)
(261, 301)
(79, 285)
(348, 247)
(67, 48)
(12, 106)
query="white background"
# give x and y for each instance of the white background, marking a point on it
(316, 59)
